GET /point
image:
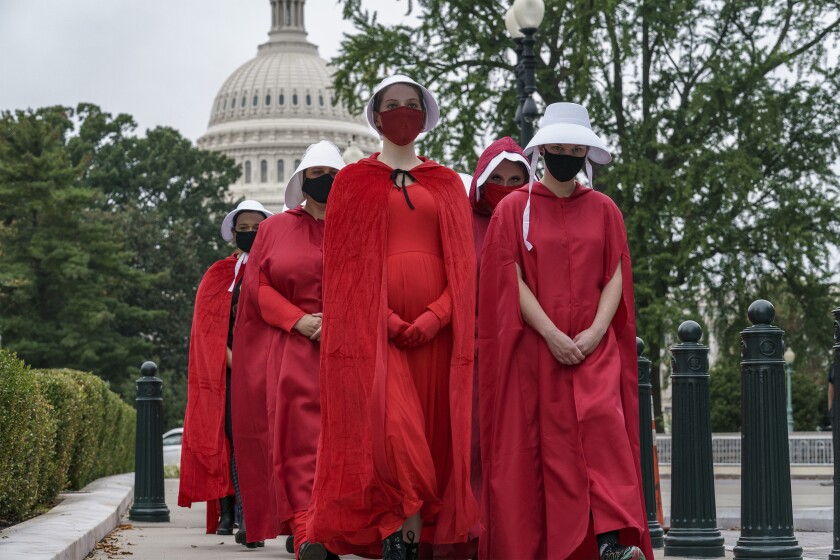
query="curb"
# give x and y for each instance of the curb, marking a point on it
(71, 529)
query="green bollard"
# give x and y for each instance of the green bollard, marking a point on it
(149, 503)
(694, 531)
(766, 506)
(646, 447)
(835, 439)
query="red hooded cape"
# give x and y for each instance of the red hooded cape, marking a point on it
(560, 444)
(276, 412)
(480, 222)
(354, 502)
(205, 454)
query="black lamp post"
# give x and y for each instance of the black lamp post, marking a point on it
(522, 21)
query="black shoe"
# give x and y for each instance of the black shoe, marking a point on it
(393, 547)
(226, 518)
(260, 544)
(290, 544)
(312, 551)
(241, 537)
(617, 552)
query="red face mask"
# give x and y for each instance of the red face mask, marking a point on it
(401, 125)
(493, 193)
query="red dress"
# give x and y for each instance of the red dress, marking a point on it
(205, 455)
(417, 281)
(395, 424)
(560, 444)
(275, 374)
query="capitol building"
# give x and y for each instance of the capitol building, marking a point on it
(275, 105)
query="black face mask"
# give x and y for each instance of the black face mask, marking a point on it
(245, 240)
(563, 167)
(319, 187)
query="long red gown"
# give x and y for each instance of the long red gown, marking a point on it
(205, 455)
(395, 423)
(480, 222)
(276, 407)
(560, 444)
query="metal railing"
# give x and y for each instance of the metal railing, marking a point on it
(806, 449)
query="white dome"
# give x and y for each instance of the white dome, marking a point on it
(275, 105)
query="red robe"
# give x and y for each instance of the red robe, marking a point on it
(355, 502)
(560, 444)
(276, 407)
(481, 221)
(205, 454)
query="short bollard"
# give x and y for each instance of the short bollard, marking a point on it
(149, 502)
(835, 439)
(694, 530)
(766, 507)
(646, 447)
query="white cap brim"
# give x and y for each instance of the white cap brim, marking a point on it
(430, 104)
(494, 163)
(323, 153)
(568, 133)
(244, 206)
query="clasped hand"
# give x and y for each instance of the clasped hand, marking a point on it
(572, 352)
(310, 326)
(409, 335)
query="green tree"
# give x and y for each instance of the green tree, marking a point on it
(65, 274)
(169, 198)
(722, 117)
(104, 237)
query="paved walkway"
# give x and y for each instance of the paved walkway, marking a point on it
(72, 529)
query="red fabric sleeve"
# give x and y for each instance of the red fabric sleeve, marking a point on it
(442, 308)
(275, 309)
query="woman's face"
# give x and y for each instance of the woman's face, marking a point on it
(397, 95)
(508, 173)
(248, 221)
(318, 171)
(575, 150)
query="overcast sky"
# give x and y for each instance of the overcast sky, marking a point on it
(162, 61)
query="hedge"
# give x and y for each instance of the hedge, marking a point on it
(59, 430)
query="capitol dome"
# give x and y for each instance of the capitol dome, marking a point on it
(275, 105)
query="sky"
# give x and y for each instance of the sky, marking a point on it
(161, 61)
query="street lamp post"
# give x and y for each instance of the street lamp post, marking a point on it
(789, 356)
(513, 30)
(526, 16)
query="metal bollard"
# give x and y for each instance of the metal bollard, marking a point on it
(766, 507)
(149, 503)
(835, 439)
(694, 530)
(646, 447)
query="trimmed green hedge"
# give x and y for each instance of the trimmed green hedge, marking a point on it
(59, 429)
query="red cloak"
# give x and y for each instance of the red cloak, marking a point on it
(287, 256)
(560, 444)
(205, 454)
(481, 221)
(355, 502)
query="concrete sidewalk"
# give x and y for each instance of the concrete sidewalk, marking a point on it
(71, 530)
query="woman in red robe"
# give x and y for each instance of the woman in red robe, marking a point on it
(276, 391)
(501, 169)
(206, 459)
(397, 349)
(557, 364)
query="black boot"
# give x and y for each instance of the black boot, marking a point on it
(290, 544)
(393, 547)
(226, 518)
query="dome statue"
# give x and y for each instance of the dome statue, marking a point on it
(275, 105)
